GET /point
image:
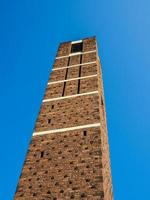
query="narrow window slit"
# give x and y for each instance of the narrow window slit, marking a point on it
(102, 103)
(78, 86)
(65, 78)
(42, 154)
(49, 121)
(64, 88)
(52, 106)
(79, 75)
(84, 133)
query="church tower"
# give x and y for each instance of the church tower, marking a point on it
(68, 157)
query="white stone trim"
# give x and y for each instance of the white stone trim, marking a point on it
(88, 63)
(71, 79)
(66, 129)
(77, 41)
(70, 96)
(74, 54)
(78, 53)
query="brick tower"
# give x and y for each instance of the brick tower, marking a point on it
(68, 157)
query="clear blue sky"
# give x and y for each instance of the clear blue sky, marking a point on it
(30, 32)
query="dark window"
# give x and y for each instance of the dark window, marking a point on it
(42, 154)
(102, 103)
(84, 133)
(49, 121)
(76, 47)
(52, 106)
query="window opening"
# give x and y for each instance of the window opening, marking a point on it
(79, 74)
(42, 154)
(77, 47)
(65, 77)
(102, 103)
(84, 133)
(52, 106)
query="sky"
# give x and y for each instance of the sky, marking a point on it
(30, 32)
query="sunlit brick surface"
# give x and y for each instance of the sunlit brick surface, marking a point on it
(68, 113)
(70, 164)
(70, 167)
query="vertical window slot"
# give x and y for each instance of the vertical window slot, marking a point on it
(65, 77)
(42, 154)
(84, 133)
(102, 103)
(79, 75)
(52, 106)
(64, 88)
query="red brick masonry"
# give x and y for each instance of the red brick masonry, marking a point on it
(70, 164)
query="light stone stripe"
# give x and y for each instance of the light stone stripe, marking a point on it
(77, 41)
(67, 129)
(70, 96)
(88, 63)
(72, 79)
(73, 54)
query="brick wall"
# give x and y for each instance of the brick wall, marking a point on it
(72, 163)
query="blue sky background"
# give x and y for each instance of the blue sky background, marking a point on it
(30, 32)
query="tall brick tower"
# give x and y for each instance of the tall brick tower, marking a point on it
(68, 157)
